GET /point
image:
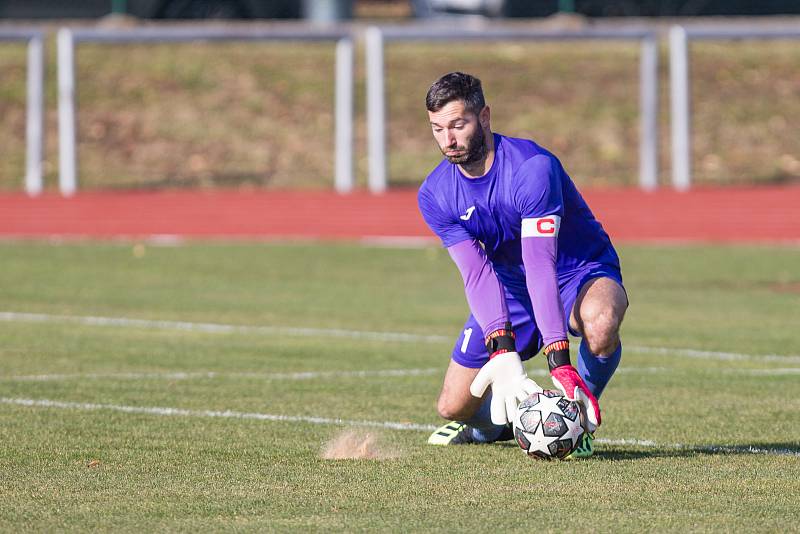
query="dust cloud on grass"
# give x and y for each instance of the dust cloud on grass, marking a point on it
(352, 444)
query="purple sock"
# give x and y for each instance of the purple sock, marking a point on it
(596, 371)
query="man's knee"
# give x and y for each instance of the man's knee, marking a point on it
(600, 309)
(601, 335)
(455, 401)
(601, 328)
(456, 409)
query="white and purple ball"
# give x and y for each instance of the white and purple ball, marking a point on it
(547, 425)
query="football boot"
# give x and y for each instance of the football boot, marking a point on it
(584, 449)
(455, 433)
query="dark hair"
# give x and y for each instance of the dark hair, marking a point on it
(456, 86)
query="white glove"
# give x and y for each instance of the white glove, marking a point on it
(510, 385)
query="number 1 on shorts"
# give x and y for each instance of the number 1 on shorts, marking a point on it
(467, 335)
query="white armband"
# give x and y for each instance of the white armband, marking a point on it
(541, 226)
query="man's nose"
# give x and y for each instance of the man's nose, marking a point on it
(451, 138)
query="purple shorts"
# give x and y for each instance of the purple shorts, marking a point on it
(470, 348)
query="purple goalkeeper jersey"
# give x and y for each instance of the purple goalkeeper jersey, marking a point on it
(524, 181)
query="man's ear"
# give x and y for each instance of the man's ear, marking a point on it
(484, 117)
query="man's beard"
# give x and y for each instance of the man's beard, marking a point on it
(474, 151)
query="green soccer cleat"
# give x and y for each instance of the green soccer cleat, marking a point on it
(453, 433)
(584, 449)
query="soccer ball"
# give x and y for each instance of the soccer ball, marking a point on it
(547, 425)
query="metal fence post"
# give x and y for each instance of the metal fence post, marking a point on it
(648, 149)
(34, 103)
(680, 108)
(343, 181)
(376, 110)
(67, 161)
(34, 130)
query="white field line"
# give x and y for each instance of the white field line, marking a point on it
(230, 414)
(217, 328)
(765, 372)
(714, 355)
(301, 375)
(226, 414)
(311, 375)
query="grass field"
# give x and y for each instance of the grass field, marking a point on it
(710, 371)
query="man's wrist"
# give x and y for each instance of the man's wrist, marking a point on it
(557, 354)
(501, 341)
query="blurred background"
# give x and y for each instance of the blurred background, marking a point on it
(261, 114)
(344, 9)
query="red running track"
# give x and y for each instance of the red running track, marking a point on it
(755, 214)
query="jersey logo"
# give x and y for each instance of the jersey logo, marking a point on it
(467, 215)
(541, 226)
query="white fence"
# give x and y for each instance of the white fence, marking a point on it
(34, 117)
(680, 102)
(67, 39)
(376, 92)
(375, 40)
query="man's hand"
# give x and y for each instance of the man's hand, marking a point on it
(510, 385)
(567, 379)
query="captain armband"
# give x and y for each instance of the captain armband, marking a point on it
(501, 341)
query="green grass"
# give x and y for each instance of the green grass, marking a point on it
(181, 473)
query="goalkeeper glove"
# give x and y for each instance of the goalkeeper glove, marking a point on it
(566, 378)
(505, 373)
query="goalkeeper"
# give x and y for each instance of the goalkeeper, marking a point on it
(536, 265)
